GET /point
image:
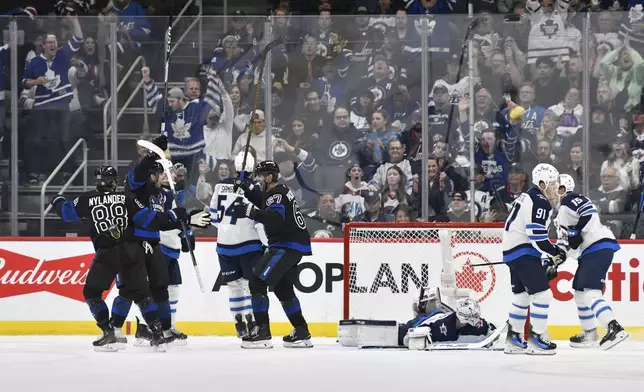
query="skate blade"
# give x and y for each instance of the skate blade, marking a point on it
(539, 351)
(306, 343)
(620, 337)
(514, 351)
(257, 345)
(180, 342)
(109, 348)
(594, 344)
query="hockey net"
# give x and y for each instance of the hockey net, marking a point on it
(386, 264)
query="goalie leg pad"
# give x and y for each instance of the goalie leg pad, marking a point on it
(377, 334)
(600, 308)
(519, 312)
(539, 310)
(586, 316)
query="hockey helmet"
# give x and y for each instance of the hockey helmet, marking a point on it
(106, 178)
(567, 183)
(545, 173)
(156, 168)
(266, 168)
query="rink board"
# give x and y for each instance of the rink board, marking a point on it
(41, 288)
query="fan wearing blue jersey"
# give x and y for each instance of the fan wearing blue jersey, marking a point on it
(525, 239)
(580, 229)
(239, 245)
(48, 121)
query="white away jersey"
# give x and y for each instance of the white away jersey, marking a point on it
(526, 229)
(235, 236)
(578, 212)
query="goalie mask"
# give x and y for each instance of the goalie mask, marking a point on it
(468, 311)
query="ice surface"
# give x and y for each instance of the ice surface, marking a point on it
(56, 363)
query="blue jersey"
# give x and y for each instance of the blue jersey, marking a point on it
(526, 228)
(184, 128)
(414, 7)
(443, 326)
(58, 90)
(132, 19)
(531, 119)
(495, 167)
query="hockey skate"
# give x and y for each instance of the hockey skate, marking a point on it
(259, 337)
(121, 340)
(240, 326)
(107, 342)
(540, 344)
(586, 339)
(615, 334)
(514, 343)
(299, 338)
(146, 338)
(178, 338)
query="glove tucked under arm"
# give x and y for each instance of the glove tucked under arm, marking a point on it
(574, 237)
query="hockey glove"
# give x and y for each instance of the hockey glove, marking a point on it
(551, 271)
(244, 210)
(178, 214)
(187, 243)
(574, 237)
(244, 185)
(58, 199)
(559, 258)
(200, 218)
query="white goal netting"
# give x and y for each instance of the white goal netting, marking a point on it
(387, 263)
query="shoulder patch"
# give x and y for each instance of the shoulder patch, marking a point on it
(274, 199)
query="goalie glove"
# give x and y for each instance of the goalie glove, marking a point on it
(200, 218)
(574, 237)
(244, 210)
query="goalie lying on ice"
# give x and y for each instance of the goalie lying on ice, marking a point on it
(437, 322)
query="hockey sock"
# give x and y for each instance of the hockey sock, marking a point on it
(120, 309)
(260, 309)
(248, 307)
(519, 312)
(599, 307)
(173, 293)
(294, 312)
(586, 316)
(149, 311)
(239, 300)
(165, 315)
(539, 311)
(99, 310)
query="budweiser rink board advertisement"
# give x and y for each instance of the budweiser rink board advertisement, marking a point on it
(41, 286)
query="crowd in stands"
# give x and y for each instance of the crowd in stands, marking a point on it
(346, 99)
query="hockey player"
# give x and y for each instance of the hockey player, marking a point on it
(439, 323)
(145, 181)
(239, 245)
(288, 241)
(116, 220)
(580, 229)
(525, 238)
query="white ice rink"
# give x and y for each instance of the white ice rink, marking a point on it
(69, 364)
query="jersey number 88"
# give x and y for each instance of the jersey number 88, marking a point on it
(108, 216)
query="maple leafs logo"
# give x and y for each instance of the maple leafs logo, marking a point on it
(469, 279)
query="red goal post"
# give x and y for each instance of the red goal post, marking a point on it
(384, 263)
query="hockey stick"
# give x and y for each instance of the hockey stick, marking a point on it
(168, 48)
(486, 264)
(482, 345)
(270, 46)
(166, 169)
(639, 212)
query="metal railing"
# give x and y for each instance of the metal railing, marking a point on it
(108, 129)
(83, 166)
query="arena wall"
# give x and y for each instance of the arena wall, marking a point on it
(41, 283)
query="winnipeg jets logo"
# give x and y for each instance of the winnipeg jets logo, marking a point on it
(181, 129)
(443, 329)
(53, 80)
(339, 150)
